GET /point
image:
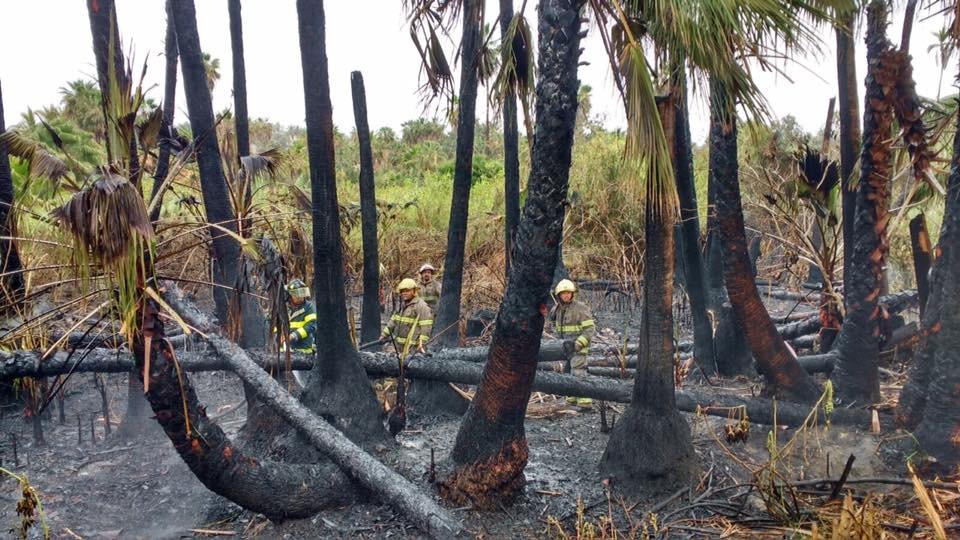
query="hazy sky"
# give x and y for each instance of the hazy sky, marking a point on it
(46, 43)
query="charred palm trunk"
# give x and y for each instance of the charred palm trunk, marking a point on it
(856, 375)
(339, 388)
(689, 239)
(511, 146)
(11, 286)
(774, 359)
(491, 451)
(370, 316)
(240, 118)
(849, 133)
(650, 446)
(167, 132)
(231, 306)
(446, 324)
(930, 401)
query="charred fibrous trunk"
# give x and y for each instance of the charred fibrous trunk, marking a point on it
(511, 148)
(339, 388)
(490, 451)
(650, 446)
(689, 239)
(856, 376)
(240, 118)
(227, 265)
(370, 315)
(446, 322)
(167, 133)
(930, 400)
(849, 132)
(11, 286)
(774, 359)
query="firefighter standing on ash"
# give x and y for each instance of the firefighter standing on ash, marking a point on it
(572, 321)
(412, 322)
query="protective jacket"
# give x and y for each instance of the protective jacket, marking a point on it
(412, 321)
(303, 328)
(573, 321)
(430, 292)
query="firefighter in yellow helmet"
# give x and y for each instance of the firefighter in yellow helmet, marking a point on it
(413, 320)
(572, 321)
(429, 286)
(302, 317)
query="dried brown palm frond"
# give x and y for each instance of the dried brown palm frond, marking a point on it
(148, 130)
(268, 163)
(516, 74)
(42, 162)
(428, 20)
(107, 219)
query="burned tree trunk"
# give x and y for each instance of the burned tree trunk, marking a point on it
(856, 376)
(490, 452)
(511, 146)
(240, 118)
(446, 322)
(338, 387)
(849, 133)
(650, 446)
(689, 238)
(231, 305)
(370, 315)
(11, 285)
(922, 257)
(774, 359)
(167, 131)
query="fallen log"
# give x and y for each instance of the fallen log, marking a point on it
(382, 481)
(805, 342)
(760, 410)
(550, 351)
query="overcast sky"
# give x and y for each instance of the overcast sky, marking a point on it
(46, 43)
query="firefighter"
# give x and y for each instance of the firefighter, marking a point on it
(572, 321)
(412, 322)
(429, 288)
(302, 317)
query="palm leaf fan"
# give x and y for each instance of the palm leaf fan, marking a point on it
(107, 219)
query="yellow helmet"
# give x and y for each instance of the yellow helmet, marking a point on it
(565, 285)
(406, 284)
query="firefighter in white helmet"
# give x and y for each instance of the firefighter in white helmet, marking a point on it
(429, 286)
(572, 321)
(413, 320)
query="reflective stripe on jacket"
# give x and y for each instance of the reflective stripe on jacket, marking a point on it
(303, 326)
(415, 315)
(573, 321)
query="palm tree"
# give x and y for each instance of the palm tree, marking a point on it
(11, 287)
(167, 131)
(849, 131)
(240, 120)
(339, 389)
(513, 47)
(81, 104)
(211, 70)
(490, 451)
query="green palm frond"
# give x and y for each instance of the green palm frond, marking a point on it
(42, 162)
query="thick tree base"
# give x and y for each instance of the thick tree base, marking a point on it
(490, 483)
(733, 354)
(434, 398)
(649, 451)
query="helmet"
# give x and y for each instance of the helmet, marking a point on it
(565, 285)
(298, 289)
(425, 267)
(406, 284)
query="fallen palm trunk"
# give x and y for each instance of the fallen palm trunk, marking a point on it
(628, 362)
(760, 410)
(550, 351)
(389, 486)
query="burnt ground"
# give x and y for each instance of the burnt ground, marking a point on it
(115, 488)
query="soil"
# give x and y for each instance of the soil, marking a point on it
(114, 488)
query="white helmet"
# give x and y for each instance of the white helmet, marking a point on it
(425, 267)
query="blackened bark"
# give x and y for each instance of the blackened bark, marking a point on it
(12, 282)
(339, 387)
(227, 267)
(370, 314)
(446, 323)
(689, 238)
(856, 376)
(490, 451)
(922, 258)
(169, 109)
(240, 118)
(650, 446)
(103, 23)
(774, 359)
(511, 147)
(849, 132)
